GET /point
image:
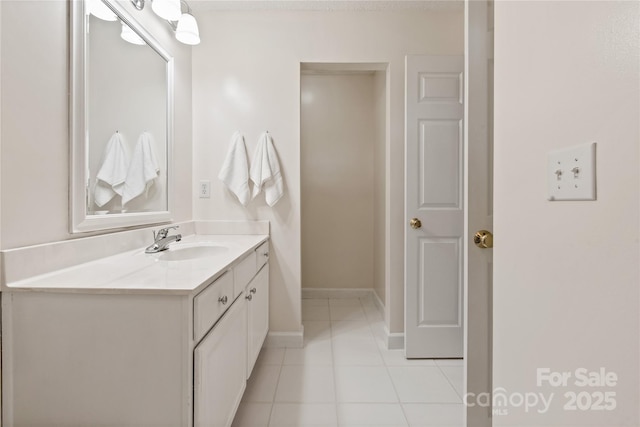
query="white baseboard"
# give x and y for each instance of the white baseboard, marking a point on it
(285, 340)
(395, 340)
(379, 304)
(336, 293)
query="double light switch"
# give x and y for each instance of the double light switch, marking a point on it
(571, 173)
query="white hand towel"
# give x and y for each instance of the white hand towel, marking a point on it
(235, 169)
(143, 169)
(265, 171)
(113, 171)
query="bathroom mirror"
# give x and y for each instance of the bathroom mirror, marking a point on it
(121, 120)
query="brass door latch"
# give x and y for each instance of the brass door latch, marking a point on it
(483, 239)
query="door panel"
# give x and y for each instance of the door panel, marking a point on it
(440, 169)
(434, 195)
(440, 303)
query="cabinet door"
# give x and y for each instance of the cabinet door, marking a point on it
(220, 369)
(258, 315)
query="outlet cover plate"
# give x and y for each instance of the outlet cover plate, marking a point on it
(204, 189)
(571, 173)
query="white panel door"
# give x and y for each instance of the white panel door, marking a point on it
(479, 119)
(434, 206)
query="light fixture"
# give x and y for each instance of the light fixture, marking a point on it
(187, 30)
(100, 10)
(138, 4)
(167, 9)
(131, 36)
(184, 24)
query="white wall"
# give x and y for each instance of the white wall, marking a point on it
(35, 135)
(247, 77)
(0, 183)
(381, 135)
(566, 289)
(337, 145)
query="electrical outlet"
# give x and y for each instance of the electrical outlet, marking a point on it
(571, 173)
(204, 189)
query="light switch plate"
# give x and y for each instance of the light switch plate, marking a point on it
(571, 173)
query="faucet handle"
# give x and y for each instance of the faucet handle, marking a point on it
(162, 233)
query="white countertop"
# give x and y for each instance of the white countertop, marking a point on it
(137, 272)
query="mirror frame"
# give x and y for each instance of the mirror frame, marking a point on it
(79, 176)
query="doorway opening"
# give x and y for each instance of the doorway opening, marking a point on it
(343, 146)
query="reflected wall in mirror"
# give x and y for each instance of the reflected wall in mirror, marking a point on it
(122, 82)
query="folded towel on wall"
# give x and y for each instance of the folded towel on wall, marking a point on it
(143, 169)
(265, 171)
(235, 169)
(113, 171)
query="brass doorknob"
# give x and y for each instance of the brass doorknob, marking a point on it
(415, 223)
(483, 239)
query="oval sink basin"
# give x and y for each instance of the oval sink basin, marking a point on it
(184, 253)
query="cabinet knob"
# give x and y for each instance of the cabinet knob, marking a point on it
(266, 254)
(223, 300)
(249, 297)
(253, 290)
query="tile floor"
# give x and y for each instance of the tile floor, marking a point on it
(344, 376)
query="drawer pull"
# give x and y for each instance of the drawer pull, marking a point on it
(249, 297)
(266, 254)
(253, 290)
(223, 300)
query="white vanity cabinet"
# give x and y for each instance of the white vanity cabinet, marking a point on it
(257, 296)
(134, 357)
(223, 360)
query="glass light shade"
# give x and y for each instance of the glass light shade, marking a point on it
(131, 36)
(100, 10)
(187, 30)
(167, 9)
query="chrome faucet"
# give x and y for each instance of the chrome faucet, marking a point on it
(161, 240)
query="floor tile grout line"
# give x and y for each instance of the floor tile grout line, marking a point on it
(333, 367)
(400, 401)
(450, 382)
(370, 323)
(395, 389)
(273, 399)
(393, 384)
(435, 364)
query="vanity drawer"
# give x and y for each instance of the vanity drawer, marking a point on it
(211, 303)
(244, 272)
(262, 255)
